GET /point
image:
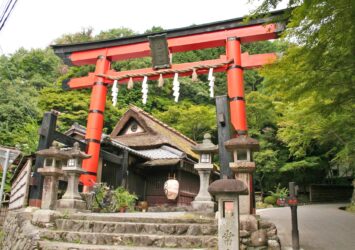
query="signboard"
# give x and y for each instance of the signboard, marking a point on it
(159, 51)
(20, 187)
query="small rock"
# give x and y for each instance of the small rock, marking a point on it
(246, 241)
(171, 242)
(265, 224)
(248, 222)
(244, 233)
(243, 247)
(258, 238)
(271, 233)
(273, 245)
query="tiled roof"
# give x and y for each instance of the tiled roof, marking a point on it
(164, 152)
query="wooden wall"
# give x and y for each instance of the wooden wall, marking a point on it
(330, 193)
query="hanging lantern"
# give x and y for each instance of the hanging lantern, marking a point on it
(171, 189)
(130, 83)
(114, 93)
(145, 90)
(176, 87)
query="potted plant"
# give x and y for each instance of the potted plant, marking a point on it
(280, 194)
(124, 200)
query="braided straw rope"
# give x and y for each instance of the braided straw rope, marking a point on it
(166, 71)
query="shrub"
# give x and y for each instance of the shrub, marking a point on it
(124, 199)
(260, 205)
(350, 208)
(270, 200)
(106, 200)
(279, 192)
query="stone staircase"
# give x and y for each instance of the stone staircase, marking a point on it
(130, 231)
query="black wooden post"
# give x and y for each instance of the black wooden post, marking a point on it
(125, 169)
(224, 134)
(46, 133)
(293, 206)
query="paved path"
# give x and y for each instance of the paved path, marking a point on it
(321, 227)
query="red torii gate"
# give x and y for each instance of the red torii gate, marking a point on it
(230, 33)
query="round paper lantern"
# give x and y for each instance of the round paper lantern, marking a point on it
(171, 189)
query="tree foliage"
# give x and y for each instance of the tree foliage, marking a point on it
(312, 86)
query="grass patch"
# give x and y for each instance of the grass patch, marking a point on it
(350, 208)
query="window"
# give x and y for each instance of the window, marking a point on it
(134, 127)
(71, 163)
(49, 162)
(205, 158)
(242, 154)
(228, 207)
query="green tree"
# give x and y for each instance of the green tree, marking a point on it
(192, 120)
(313, 82)
(18, 114)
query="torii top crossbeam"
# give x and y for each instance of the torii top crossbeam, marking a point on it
(229, 33)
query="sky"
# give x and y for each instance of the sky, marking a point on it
(36, 23)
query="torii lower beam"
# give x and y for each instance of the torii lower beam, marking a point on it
(248, 62)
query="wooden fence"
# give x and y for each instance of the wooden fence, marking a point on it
(330, 193)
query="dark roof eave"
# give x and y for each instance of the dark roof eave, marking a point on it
(64, 50)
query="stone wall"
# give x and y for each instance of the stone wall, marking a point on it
(25, 230)
(19, 233)
(256, 234)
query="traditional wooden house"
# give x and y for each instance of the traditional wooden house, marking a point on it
(151, 152)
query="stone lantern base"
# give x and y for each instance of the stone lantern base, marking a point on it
(203, 206)
(71, 204)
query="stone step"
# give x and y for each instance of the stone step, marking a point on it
(136, 227)
(54, 245)
(160, 218)
(176, 241)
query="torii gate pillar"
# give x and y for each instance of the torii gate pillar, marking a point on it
(95, 122)
(238, 111)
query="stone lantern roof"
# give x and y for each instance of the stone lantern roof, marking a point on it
(242, 142)
(76, 153)
(206, 146)
(53, 152)
(229, 186)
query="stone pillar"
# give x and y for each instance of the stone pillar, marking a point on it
(243, 167)
(72, 199)
(203, 200)
(245, 175)
(227, 193)
(50, 187)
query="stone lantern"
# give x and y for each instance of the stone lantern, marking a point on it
(227, 193)
(72, 199)
(203, 200)
(243, 166)
(52, 169)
